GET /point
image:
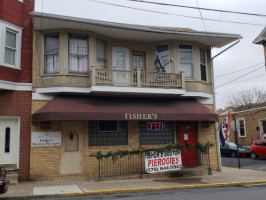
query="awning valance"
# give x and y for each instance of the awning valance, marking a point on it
(123, 108)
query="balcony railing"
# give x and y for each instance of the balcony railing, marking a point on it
(136, 78)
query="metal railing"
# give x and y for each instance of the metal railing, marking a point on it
(136, 78)
(135, 164)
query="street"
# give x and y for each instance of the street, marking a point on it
(236, 193)
(245, 163)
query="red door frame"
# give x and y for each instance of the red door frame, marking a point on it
(187, 134)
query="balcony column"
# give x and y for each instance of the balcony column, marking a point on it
(138, 77)
(93, 75)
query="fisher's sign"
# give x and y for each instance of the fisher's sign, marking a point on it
(161, 162)
(141, 116)
(51, 138)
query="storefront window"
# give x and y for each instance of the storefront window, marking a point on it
(163, 135)
(108, 133)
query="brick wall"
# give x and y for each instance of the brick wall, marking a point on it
(17, 13)
(17, 103)
(252, 118)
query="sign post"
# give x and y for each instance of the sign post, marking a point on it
(235, 125)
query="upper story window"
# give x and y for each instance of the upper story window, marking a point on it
(10, 45)
(162, 58)
(138, 60)
(52, 54)
(203, 68)
(186, 60)
(101, 53)
(78, 54)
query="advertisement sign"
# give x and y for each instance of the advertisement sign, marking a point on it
(155, 126)
(51, 138)
(161, 162)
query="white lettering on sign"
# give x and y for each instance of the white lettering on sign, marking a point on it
(51, 138)
(131, 116)
(161, 162)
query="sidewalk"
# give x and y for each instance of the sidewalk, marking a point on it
(228, 177)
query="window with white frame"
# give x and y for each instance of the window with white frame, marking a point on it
(162, 62)
(101, 53)
(138, 60)
(78, 54)
(185, 53)
(203, 68)
(52, 54)
(242, 131)
(10, 45)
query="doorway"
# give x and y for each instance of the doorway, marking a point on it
(71, 152)
(187, 134)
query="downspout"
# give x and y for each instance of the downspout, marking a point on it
(214, 105)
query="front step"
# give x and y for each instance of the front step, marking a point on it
(12, 176)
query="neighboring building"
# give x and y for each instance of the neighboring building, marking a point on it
(15, 84)
(96, 86)
(261, 39)
(252, 125)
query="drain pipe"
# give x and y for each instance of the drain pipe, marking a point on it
(214, 105)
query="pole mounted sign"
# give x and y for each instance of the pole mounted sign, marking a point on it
(161, 162)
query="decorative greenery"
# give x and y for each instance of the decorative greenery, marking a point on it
(141, 151)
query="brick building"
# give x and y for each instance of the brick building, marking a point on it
(98, 86)
(252, 125)
(15, 84)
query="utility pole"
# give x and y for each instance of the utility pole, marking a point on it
(236, 140)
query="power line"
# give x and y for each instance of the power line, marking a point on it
(200, 8)
(166, 13)
(239, 70)
(220, 98)
(239, 77)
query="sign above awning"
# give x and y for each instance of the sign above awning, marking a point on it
(123, 108)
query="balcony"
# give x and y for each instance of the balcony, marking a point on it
(136, 78)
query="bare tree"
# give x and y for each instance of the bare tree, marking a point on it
(247, 99)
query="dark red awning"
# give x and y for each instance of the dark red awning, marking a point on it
(123, 108)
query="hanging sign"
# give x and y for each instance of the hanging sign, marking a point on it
(161, 162)
(155, 126)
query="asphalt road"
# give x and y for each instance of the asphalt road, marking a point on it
(234, 193)
(245, 163)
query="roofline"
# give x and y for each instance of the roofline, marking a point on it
(244, 111)
(260, 39)
(132, 26)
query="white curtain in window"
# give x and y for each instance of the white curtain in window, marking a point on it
(52, 64)
(10, 50)
(78, 55)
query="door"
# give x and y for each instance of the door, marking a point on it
(9, 142)
(121, 75)
(187, 135)
(71, 152)
(263, 129)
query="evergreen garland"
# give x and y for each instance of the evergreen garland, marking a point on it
(141, 151)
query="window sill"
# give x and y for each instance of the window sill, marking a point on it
(78, 75)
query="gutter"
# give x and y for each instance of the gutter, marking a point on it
(214, 104)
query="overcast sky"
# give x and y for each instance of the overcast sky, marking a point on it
(244, 58)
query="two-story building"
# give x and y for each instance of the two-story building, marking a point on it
(97, 85)
(15, 84)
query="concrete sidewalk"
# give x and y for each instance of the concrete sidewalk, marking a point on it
(228, 177)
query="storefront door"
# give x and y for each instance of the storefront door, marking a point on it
(187, 134)
(71, 153)
(9, 142)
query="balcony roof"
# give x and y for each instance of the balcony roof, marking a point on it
(45, 21)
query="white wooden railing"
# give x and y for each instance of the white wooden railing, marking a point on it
(136, 78)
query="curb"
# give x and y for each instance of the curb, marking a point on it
(153, 189)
